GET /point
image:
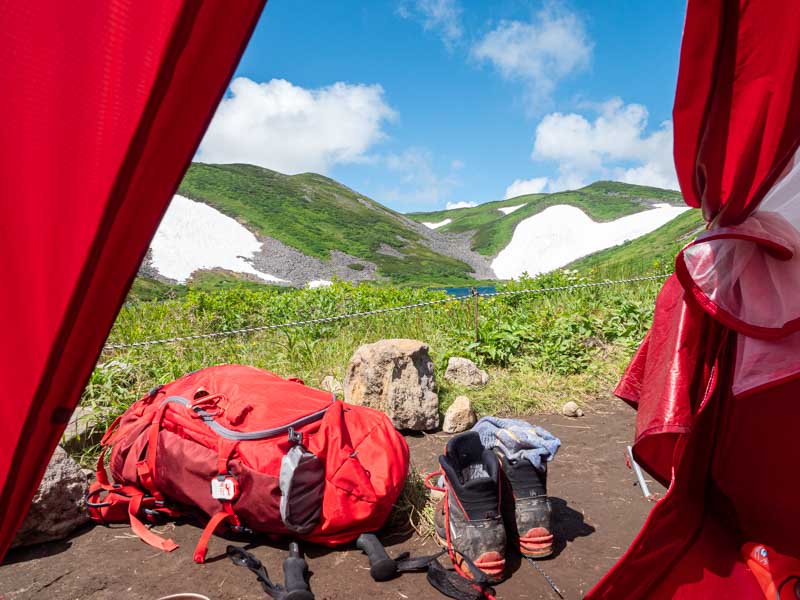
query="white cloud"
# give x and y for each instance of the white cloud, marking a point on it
(542, 52)
(420, 183)
(520, 187)
(614, 145)
(462, 204)
(457, 165)
(291, 129)
(441, 16)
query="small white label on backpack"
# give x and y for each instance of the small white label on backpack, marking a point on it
(224, 489)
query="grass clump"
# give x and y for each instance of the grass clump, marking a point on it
(413, 510)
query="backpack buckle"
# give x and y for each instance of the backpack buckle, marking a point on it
(295, 437)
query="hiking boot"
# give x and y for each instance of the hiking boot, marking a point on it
(532, 509)
(468, 519)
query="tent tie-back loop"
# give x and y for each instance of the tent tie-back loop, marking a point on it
(747, 276)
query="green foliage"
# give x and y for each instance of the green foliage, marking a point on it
(603, 201)
(534, 330)
(147, 289)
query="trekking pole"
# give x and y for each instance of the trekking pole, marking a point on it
(295, 571)
(449, 582)
(381, 567)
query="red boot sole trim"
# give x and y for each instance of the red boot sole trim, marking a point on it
(491, 563)
(537, 543)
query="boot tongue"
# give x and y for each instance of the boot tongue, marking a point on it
(525, 479)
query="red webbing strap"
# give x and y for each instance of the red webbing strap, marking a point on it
(225, 449)
(202, 544)
(100, 470)
(146, 469)
(144, 534)
(109, 432)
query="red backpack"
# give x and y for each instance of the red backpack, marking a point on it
(245, 446)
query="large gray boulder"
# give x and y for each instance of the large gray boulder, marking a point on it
(59, 505)
(395, 376)
(463, 371)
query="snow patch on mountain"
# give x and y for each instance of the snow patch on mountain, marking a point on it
(560, 234)
(507, 210)
(194, 236)
(437, 225)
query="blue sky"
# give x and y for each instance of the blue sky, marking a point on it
(424, 103)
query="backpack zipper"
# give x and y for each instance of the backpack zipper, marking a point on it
(230, 434)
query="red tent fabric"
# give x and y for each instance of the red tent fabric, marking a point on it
(717, 378)
(103, 106)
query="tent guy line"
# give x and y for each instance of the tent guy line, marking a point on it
(378, 311)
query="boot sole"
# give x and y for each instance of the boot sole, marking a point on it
(537, 544)
(493, 570)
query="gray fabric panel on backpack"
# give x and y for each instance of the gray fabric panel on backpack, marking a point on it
(302, 480)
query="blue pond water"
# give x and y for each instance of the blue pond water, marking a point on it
(465, 291)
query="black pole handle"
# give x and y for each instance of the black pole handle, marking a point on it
(381, 567)
(295, 571)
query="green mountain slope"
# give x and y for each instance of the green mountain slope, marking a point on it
(317, 215)
(602, 201)
(652, 252)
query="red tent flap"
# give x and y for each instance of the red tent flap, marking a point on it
(737, 127)
(103, 107)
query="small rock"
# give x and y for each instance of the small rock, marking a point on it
(331, 384)
(395, 376)
(460, 416)
(465, 372)
(59, 505)
(571, 409)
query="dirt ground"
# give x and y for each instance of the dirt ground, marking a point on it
(598, 511)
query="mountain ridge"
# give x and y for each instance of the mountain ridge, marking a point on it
(311, 228)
